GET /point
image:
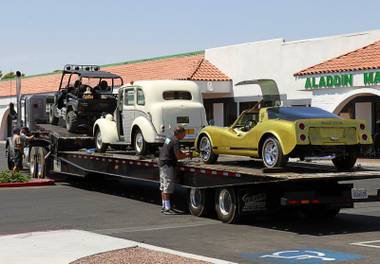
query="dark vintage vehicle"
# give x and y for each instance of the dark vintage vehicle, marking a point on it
(84, 94)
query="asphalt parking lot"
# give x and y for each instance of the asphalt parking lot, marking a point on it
(131, 210)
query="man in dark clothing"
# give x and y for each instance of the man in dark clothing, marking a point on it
(18, 150)
(169, 154)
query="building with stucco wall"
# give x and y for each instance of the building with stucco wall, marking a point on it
(217, 70)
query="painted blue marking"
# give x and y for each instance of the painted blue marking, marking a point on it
(300, 256)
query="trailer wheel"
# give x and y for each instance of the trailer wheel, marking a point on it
(226, 205)
(199, 201)
(205, 148)
(37, 162)
(52, 118)
(100, 146)
(346, 162)
(72, 121)
(10, 162)
(139, 143)
(271, 153)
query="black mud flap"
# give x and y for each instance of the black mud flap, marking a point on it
(253, 202)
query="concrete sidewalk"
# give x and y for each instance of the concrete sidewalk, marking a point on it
(65, 246)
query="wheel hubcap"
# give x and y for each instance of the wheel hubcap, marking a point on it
(225, 202)
(195, 198)
(139, 142)
(205, 148)
(270, 153)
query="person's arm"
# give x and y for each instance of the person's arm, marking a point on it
(178, 153)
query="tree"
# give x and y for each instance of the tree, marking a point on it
(10, 75)
(1, 74)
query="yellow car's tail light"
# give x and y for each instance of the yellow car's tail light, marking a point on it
(362, 126)
(301, 126)
(364, 137)
(302, 137)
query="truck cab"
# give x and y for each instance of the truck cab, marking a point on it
(148, 111)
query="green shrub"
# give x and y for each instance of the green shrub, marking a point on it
(7, 177)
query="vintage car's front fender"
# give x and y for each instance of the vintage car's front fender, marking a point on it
(147, 129)
(108, 129)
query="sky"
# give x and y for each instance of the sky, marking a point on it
(42, 36)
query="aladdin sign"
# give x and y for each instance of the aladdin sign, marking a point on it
(341, 80)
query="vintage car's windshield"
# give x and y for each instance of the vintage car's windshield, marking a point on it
(294, 113)
(246, 117)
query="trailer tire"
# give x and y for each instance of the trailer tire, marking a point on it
(199, 201)
(52, 118)
(206, 152)
(37, 165)
(72, 121)
(100, 146)
(226, 205)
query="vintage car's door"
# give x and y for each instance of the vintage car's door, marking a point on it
(129, 104)
(244, 136)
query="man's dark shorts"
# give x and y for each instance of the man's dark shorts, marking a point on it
(17, 158)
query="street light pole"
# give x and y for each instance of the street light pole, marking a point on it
(18, 96)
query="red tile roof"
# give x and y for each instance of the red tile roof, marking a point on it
(191, 66)
(365, 58)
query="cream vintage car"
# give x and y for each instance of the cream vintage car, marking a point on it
(275, 133)
(147, 113)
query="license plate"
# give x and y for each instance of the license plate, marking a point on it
(190, 131)
(359, 193)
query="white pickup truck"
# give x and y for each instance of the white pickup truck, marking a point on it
(148, 112)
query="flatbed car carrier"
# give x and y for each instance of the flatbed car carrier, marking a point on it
(233, 188)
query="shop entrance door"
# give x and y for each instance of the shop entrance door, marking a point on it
(218, 110)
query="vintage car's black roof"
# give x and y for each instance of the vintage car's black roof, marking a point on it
(296, 112)
(94, 74)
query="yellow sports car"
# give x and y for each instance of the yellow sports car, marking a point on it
(275, 133)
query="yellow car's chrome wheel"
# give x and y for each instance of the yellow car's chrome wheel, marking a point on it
(272, 153)
(206, 152)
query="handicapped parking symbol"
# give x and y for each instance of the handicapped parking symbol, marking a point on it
(301, 256)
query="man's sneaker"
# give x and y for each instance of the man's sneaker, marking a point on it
(162, 209)
(169, 212)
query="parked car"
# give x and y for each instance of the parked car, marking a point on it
(147, 113)
(275, 134)
(83, 95)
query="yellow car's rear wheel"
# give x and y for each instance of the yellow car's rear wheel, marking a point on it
(206, 152)
(272, 154)
(347, 162)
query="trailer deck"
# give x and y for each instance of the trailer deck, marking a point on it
(194, 173)
(233, 187)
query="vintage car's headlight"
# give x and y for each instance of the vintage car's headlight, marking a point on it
(362, 126)
(301, 126)
(364, 137)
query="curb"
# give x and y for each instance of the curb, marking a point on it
(31, 183)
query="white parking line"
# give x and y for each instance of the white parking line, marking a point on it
(367, 244)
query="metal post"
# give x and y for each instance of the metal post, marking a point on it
(18, 96)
